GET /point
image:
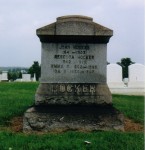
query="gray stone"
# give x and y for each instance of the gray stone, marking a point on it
(73, 63)
(75, 25)
(61, 118)
(73, 93)
(73, 53)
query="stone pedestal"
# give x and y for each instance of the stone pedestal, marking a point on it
(75, 117)
(73, 94)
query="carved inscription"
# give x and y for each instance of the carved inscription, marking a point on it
(74, 59)
(68, 90)
(73, 89)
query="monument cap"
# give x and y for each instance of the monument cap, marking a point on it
(74, 29)
(74, 18)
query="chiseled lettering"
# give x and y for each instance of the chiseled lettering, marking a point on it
(92, 89)
(77, 88)
(64, 56)
(86, 57)
(69, 88)
(62, 88)
(56, 66)
(85, 88)
(80, 47)
(63, 46)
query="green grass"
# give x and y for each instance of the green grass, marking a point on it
(15, 98)
(131, 106)
(72, 141)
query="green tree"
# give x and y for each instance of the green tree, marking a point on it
(125, 62)
(35, 69)
(13, 75)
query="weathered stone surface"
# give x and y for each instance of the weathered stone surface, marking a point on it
(74, 25)
(63, 118)
(73, 66)
(73, 63)
(72, 93)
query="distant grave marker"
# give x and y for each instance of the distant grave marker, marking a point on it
(0, 77)
(136, 76)
(26, 77)
(114, 76)
(4, 76)
(73, 94)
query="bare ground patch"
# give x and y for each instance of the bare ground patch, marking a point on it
(131, 126)
(17, 124)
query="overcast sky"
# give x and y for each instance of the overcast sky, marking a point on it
(19, 19)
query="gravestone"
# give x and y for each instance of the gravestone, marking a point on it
(26, 77)
(4, 76)
(0, 77)
(125, 80)
(73, 94)
(114, 76)
(136, 76)
(34, 78)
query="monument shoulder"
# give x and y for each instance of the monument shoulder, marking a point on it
(46, 30)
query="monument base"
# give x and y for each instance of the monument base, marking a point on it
(73, 94)
(80, 118)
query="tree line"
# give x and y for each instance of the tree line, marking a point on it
(14, 74)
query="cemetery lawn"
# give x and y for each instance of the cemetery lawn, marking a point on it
(15, 98)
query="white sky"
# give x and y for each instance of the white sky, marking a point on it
(19, 19)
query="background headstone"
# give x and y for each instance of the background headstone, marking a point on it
(125, 80)
(18, 80)
(4, 76)
(0, 77)
(34, 78)
(114, 76)
(136, 75)
(26, 77)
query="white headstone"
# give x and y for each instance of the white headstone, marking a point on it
(26, 77)
(136, 75)
(18, 80)
(125, 80)
(34, 78)
(4, 76)
(0, 77)
(114, 76)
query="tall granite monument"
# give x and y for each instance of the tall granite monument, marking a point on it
(73, 94)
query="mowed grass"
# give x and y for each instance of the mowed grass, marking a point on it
(131, 106)
(15, 98)
(72, 141)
